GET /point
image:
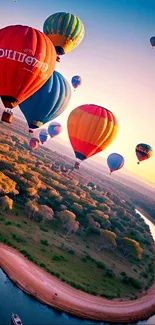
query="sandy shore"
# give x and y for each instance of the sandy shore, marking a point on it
(51, 291)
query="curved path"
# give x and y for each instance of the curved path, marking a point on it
(51, 291)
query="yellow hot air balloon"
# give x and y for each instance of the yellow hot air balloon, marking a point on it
(91, 128)
(65, 30)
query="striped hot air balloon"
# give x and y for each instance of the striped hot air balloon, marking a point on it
(48, 102)
(65, 30)
(143, 152)
(91, 128)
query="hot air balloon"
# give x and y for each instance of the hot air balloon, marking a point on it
(91, 128)
(152, 41)
(65, 30)
(27, 60)
(143, 152)
(44, 136)
(33, 143)
(115, 162)
(54, 129)
(48, 102)
(76, 81)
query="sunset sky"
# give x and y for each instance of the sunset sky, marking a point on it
(115, 61)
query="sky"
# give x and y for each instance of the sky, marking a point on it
(116, 62)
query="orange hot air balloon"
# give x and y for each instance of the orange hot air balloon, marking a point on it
(91, 128)
(27, 60)
(33, 143)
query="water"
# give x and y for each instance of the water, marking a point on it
(149, 223)
(12, 299)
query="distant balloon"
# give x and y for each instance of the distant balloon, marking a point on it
(115, 162)
(143, 152)
(76, 81)
(48, 102)
(44, 136)
(33, 143)
(152, 41)
(91, 128)
(65, 30)
(54, 129)
(27, 59)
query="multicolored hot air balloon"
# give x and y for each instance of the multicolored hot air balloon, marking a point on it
(54, 129)
(48, 102)
(152, 41)
(76, 81)
(91, 128)
(143, 152)
(44, 136)
(65, 30)
(115, 162)
(33, 143)
(27, 60)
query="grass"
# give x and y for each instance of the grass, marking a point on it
(73, 260)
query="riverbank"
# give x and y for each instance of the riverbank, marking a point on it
(145, 214)
(51, 291)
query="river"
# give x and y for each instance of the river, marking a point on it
(12, 299)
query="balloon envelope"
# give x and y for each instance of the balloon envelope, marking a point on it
(152, 41)
(33, 143)
(115, 162)
(143, 151)
(54, 129)
(91, 128)
(48, 102)
(65, 30)
(27, 59)
(76, 81)
(44, 136)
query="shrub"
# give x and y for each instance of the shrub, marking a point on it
(59, 258)
(71, 251)
(44, 242)
(100, 265)
(43, 229)
(109, 273)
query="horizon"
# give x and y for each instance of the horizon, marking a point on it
(124, 172)
(116, 63)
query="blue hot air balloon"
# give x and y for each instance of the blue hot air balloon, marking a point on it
(152, 41)
(44, 136)
(54, 129)
(76, 81)
(48, 102)
(115, 162)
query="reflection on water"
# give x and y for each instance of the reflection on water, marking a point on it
(12, 299)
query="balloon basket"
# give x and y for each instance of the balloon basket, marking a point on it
(7, 117)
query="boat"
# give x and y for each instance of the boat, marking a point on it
(16, 319)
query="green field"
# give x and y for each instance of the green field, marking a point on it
(74, 260)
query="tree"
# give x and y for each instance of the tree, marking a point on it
(46, 213)
(132, 247)
(31, 191)
(105, 208)
(31, 208)
(7, 185)
(108, 239)
(72, 226)
(77, 207)
(68, 220)
(65, 216)
(6, 203)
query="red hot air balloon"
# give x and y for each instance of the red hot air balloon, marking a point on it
(27, 60)
(33, 143)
